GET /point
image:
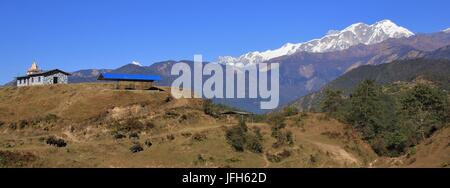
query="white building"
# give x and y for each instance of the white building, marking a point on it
(37, 77)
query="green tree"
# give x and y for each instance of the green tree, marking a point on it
(332, 101)
(365, 110)
(424, 108)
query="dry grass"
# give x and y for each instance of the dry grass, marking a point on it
(88, 115)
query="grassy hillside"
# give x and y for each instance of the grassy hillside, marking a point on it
(92, 125)
(99, 126)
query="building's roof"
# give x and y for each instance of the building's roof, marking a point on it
(46, 73)
(129, 77)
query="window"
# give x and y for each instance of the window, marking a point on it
(32, 80)
(39, 79)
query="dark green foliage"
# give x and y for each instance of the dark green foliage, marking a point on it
(423, 110)
(365, 111)
(240, 138)
(437, 71)
(254, 144)
(332, 101)
(236, 136)
(394, 119)
(136, 148)
(282, 136)
(57, 142)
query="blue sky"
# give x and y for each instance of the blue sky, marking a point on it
(82, 34)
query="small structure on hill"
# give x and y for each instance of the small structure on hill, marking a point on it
(131, 81)
(229, 114)
(35, 76)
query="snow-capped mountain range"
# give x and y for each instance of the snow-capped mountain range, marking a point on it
(446, 30)
(359, 33)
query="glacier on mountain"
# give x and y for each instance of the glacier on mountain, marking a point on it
(359, 33)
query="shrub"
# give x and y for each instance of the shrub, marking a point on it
(199, 137)
(23, 124)
(136, 148)
(332, 101)
(148, 143)
(313, 158)
(239, 138)
(170, 137)
(133, 135)
(290, 111)
(52, 140)
(13, 125)
(128, 125)
(236, 136)
(254, 144)
(257, 132)
(278, 157)
(273, 158)
(117, 135)
(186, 134)
(282, 136)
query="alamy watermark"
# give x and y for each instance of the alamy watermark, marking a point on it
(232, 79)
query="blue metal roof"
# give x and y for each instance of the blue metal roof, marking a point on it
(128, 77)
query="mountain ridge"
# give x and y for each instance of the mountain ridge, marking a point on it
(359, 33)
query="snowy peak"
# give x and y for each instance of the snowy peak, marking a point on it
(136, 63)
(446, 30)
(358, 33)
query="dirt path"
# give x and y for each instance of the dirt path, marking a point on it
(338, 152)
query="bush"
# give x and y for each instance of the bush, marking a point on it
(391, 119)
(254, 144)
(117, 135)
(273, 158)
(133, 135)
(278, 157)
(170, 137)
(148, 143)
(332, 101)
(199, 137)
(129, 125)
(236, 138)
(186, 134)
(136, 148)
(290, 111)
(52, 140)
(282, 136)
(240, 139)
(13, 125)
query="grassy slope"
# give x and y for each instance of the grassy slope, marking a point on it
(87, 112)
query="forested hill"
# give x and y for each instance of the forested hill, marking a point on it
(434, 70)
